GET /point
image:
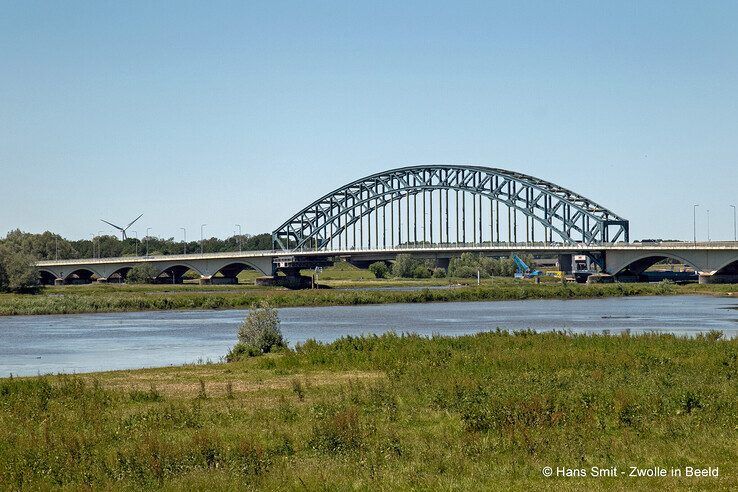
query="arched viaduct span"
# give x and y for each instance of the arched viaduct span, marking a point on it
(448, 204)
(169, 268)
(435, 211)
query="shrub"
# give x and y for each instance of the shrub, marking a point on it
(379, 269)
(241, 350)
(143, 273)
(409, 267)
(439, 272)
(261, 330)
(467, 264)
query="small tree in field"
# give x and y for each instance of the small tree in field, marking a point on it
(259, 333)
(379, 269)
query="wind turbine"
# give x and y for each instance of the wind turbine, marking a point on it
(123, 229)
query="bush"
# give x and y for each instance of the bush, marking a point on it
(241, 350)
(143, 273)
(439, 272)
(467, 264)
(379, 269)
(409, 267)
(259, 333)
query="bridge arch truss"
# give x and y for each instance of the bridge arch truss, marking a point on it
(448, 204)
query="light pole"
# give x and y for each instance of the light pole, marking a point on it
(735, 236)
(99, 244)
(708, 225)
(202, 226)
(147, 240)
(694, 222)
(239, 237)
(135, 233)
(184, 230)
(92, 240)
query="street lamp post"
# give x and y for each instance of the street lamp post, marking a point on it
(99, 244)
(135, 234)
(147, 240)
(239, 237)
(202, 226)
(694, 222)
(735, 236)
(92, 240)
(708, 225)
(184, 230)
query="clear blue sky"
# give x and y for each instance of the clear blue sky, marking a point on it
(225, 113)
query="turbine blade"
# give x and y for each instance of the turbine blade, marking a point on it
(134, 220)
(110, 223)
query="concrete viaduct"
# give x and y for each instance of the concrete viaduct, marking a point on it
(713, 262)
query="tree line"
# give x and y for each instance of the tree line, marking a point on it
(19, 250)
(50, 246)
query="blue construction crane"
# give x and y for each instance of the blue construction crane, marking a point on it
(524, 271)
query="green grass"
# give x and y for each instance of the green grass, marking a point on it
(112, 298)
(484, 412)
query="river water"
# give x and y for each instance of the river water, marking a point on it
(97, 342)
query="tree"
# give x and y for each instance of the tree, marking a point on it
(3, 278)
(19, 273)
(143, 273)
(379, 269)
(467, 265)
(260, 330)
(421, 271)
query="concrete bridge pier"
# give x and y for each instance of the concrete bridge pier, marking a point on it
(715, 278)
(292, 279)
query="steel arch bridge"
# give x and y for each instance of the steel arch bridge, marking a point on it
(448, 204)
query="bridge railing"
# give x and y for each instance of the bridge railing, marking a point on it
(461, 247)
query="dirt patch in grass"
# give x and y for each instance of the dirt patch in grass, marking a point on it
(186, 383)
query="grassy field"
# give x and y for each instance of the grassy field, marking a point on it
(484, 412)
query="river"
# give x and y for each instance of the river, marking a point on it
(98, 342)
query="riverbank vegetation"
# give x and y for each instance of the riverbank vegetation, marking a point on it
(128, 297)
(483, 412)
